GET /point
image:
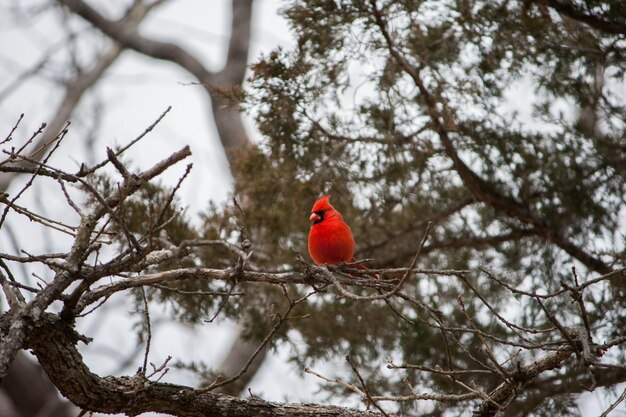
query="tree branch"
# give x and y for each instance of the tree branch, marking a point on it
(227, 118)
(76, 89)
(223, 275)
(54, 345)
(567, 9)
(506, 392)
(540, 389)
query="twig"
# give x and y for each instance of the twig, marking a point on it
(206, 242)
(146, 313)
(438, 370)
(183, 292)
(131, 143)
(381, 295)
(68, 198)
(474, 390)
(23, 286)
(38, 218)
(118, 164)
(132, 240)
(561, 329)
(94, 308)
(219, 382)
(14, 154)
(58, 139)
(351, 387)
(281, 319)
(162, 367)
(518, 291)
(365, 390)
(614, 405)
(504, 393)
(9, 136)
(512, 326)
(577, 296)
(503, 373)
(10, 293)
(223, 303)
(244, 240)
(170, 198)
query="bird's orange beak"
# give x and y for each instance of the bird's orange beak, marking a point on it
(314, 217)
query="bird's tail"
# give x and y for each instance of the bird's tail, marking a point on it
(361, 266)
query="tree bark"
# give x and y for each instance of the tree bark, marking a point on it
(54, 344)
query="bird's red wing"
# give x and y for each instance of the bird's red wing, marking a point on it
(331, 242)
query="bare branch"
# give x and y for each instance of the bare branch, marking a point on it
(368, 397)
(505, 392)
(148, 325)
(228, 121)
(221, 275)
(129, 144)
(9, 137)
(615, 404)
(89, 221)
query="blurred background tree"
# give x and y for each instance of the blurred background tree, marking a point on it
(502, 123)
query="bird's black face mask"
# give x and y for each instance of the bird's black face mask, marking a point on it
(317, 216)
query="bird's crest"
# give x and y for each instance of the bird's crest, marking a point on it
(322, 204)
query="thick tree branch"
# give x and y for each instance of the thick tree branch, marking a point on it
(239, 44)
(570, 383)
(506, 392)
(226, 112)
(128, 36)
(567, 9)
(12, 336)
(54, 344)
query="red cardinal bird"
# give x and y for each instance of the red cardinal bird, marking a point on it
(330, 238)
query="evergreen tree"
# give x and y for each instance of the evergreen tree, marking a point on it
(500, 122)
